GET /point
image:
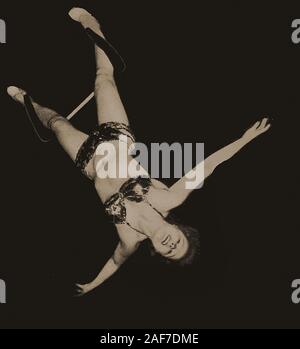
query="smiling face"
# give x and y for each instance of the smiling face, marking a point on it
(170, 242)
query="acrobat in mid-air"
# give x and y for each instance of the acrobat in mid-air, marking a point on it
(140, 206)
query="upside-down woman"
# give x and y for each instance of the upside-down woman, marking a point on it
(140, 206)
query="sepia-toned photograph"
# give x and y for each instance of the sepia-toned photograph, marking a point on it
(150, 172)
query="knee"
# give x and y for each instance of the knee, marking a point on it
(57, 123)
(104, 75)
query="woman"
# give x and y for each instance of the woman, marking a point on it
(139, 206)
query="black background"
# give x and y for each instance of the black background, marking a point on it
(197, 72)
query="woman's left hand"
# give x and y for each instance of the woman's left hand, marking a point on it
(257, 129)
(83, 289)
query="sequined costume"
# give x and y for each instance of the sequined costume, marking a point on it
(106, 132)
(135, 189)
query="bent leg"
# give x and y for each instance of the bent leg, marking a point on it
(109, 104)
(71, 140)
(67, 135)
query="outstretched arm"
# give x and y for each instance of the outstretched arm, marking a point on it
(184, 187)
(121, 254)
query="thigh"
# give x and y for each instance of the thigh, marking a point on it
(109, 104)
(71, 139)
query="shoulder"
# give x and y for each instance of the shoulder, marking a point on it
(161, 197)
(159, 185)
(164, 199)
(128, 236)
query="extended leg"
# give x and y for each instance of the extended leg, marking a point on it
(109, 104)
(68, 136)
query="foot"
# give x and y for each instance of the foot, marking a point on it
(86, 20)
(44, 114)
(16, 94)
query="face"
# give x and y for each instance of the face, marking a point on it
(170, 242)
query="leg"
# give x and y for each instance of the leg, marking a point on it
(109, 104)
(68, 136)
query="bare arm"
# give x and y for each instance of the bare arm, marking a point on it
(120, 256)
(185, 186)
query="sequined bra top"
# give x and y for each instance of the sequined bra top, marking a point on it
(135, 190)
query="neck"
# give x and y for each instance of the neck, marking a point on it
(150, 226)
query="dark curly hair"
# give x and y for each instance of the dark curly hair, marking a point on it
(193, 237)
